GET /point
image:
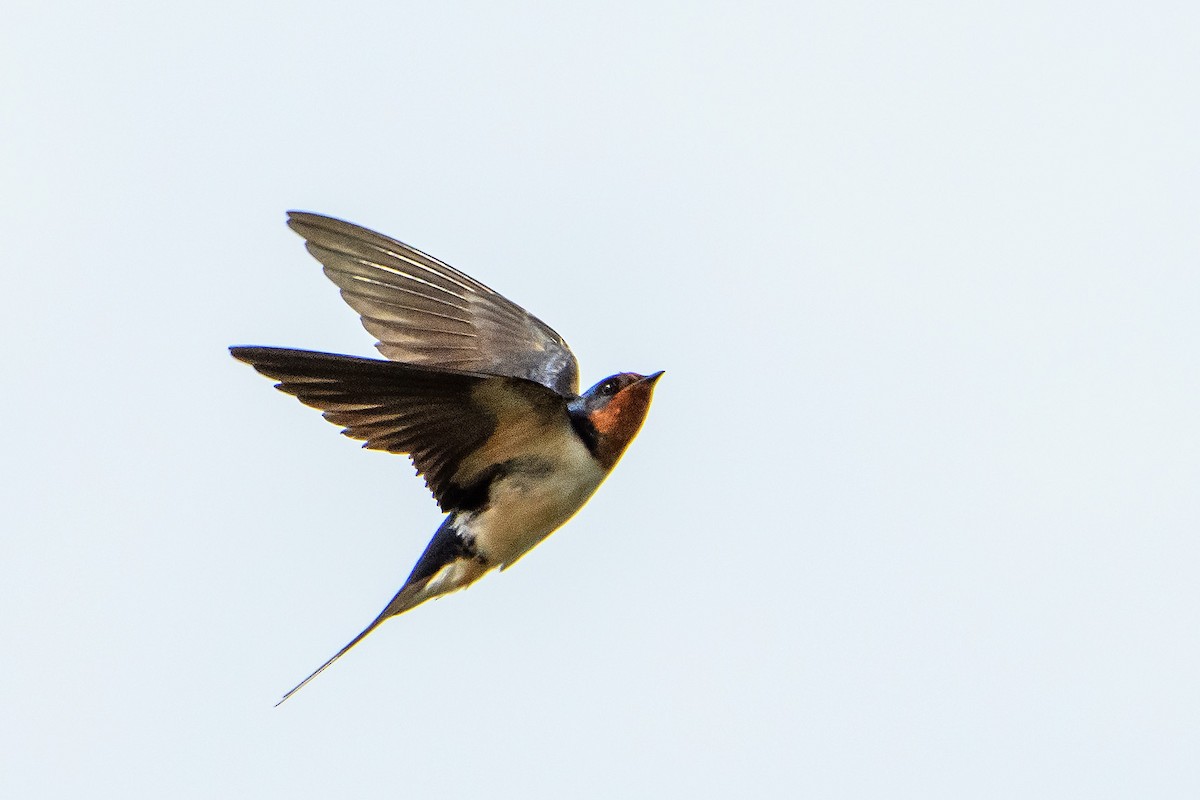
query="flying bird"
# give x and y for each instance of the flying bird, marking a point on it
(480, 394)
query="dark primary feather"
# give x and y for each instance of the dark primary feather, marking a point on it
(399, 408)
(424, 311)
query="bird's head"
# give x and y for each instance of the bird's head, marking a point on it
(612, 412)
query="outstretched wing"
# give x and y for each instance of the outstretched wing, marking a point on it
(424, 311)
(440, 419)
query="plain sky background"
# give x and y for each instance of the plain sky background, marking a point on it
(915, 513)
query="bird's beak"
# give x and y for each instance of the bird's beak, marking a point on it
(651, 379)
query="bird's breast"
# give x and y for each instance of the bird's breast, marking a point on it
(538, 491)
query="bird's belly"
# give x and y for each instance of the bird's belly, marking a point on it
(527, 506)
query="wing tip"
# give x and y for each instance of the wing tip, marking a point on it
(244, 352)
(297, 217)
(309, 225)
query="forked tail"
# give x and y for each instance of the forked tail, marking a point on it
(453, 572)
(411, 596)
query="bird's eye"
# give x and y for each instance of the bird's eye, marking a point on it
(609, 387)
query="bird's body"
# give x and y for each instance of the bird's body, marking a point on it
(480, 394)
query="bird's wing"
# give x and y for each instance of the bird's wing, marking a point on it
(426, 312)
(445, 421)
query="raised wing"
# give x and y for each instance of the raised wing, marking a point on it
(440, 419)
(426, 312)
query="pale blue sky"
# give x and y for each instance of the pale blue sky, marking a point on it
(915, 511)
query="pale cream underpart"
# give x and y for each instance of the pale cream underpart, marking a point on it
(523, 508)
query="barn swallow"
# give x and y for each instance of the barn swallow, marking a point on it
(480, 394)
